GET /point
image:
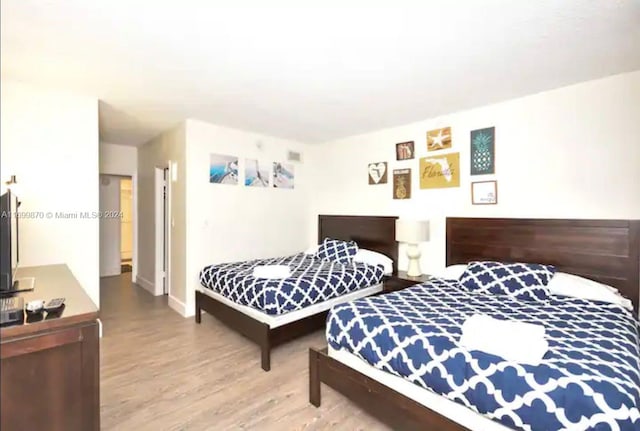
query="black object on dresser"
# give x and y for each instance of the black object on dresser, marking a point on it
(400, 280)
(50, 366)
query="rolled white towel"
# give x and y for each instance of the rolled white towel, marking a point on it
(271, 271)
(510, 339)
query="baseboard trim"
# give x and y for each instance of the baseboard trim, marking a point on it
(190, 310)
(178, 306)
(145, 284)
(110, 272)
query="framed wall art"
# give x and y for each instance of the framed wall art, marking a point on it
(283, 175)
(483, 151)
(223, 169)
(440, 171)
(402, 183)
(439, 139)
(405, 150)
(256, 174)
(377, 173)
(484, 193)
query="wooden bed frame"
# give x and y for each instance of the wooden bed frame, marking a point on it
(603, 250)
(375, 233)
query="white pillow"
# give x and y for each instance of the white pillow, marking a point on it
(374, 258)
(312, 250)
(579, 287)
(451, 272)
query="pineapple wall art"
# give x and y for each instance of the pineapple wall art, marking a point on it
(483, 151)
(402, 183)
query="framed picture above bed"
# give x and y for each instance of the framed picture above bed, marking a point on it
(439, 139)
(402, 183)
(405, 150)
(483, 151)
(377, 173)
(484, 193)
(440, 171)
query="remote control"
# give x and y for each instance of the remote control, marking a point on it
(54, 304)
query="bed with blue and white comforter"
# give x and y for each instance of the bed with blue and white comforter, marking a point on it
(589, 378)
(312, 281)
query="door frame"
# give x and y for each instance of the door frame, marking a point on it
(162, 221)
(134, 218)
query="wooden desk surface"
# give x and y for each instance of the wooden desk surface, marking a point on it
(53, 281)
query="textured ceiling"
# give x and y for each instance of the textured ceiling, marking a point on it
(311, 73)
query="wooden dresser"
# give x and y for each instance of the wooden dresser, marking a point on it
(51, 368)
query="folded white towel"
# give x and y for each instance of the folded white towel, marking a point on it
(271, 271)
(510, 339)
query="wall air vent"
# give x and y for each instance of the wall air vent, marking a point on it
(294, 156)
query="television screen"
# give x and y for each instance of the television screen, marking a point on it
(9, 252)
(14, 236)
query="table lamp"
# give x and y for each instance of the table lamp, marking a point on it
(412, 232)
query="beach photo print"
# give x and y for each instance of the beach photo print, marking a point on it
(283, 176)
(256, 174)
(223, 169)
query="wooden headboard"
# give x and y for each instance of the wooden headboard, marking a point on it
(603, 250)
(377, 233)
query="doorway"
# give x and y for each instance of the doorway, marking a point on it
(126, 224)
(116, 225)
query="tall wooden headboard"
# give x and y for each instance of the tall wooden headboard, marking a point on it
(377, 233)
(603, 250)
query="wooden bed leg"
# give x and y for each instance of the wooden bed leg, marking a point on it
(266, 359)
(265, 349)
(314, 379)
(198, 310)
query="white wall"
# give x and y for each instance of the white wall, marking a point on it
(567, 153)
(118, 159)
(229, 223)
(109, 226)
(50, 141)
(160, 152)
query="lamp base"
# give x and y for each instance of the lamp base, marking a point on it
(413, 253)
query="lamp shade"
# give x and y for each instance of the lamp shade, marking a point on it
(412, 231)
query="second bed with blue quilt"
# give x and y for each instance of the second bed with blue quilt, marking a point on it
(313, 280)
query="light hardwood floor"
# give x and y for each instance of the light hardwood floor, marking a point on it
(160, 371)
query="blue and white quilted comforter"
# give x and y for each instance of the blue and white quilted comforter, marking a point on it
(589, 378)
(312, 281)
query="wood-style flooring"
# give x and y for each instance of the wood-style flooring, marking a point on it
(160, 371)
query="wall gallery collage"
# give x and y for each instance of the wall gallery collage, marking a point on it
(441, 169)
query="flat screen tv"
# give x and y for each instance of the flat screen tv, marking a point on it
(9, 252)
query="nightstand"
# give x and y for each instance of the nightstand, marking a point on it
(400, 280)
